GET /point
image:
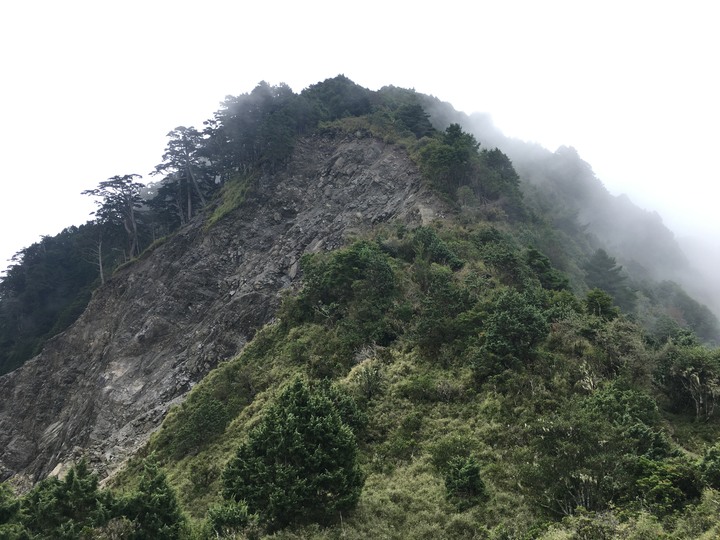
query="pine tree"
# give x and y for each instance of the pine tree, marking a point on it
(603, 272)
(300, 464)
(66, 508)
(119, 205)
(154, 507)
(10, 526)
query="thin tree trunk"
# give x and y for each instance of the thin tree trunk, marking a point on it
(195, 184)
(189, 202)
(178, 204)
(133, 224)
(100, 261)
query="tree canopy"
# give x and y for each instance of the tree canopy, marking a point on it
(299, 464)
(119, 203)
(481, 376)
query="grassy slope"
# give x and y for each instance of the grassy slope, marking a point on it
(423, 401)
(421, 390)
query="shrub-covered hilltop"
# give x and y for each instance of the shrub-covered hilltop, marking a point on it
(488, 375)
(475, 395)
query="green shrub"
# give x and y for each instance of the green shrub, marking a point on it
(299, 465)
(450, 447)
(690, 377)
(350, 290)
(65, 508)
(197, 422)
(514, 327)
(549, 277)
(429, 245)
(154, 507)
(700, 521)
(710, 467)
(227, 519)
(369, 379)
(668, 485)
(465, 488)
(600, 304)
(9, 504)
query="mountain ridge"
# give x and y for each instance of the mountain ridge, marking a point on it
(116, 383)
(397, 287)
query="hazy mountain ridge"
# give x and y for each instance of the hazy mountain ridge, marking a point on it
(498, 390)
(632, 234)
(562, 185)
(47, 287)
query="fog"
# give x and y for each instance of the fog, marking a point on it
(90, 90)
(684, 249)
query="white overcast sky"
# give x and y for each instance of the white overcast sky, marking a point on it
(89, 89)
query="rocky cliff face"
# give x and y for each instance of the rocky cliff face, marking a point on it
(100, 388)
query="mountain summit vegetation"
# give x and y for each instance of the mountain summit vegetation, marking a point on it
(495, 373)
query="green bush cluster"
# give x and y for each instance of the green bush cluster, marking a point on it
(76, 507)
(465, 488)
(454, 164)
(299, 465)
(523, 406)
(491, 401)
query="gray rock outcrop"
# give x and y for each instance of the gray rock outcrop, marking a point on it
(160, 324)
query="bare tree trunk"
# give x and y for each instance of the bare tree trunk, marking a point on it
(100, 261)
(96, 259)
(178, 205)
(189, 203)
(194, 181)
(135, 249)
(132, 238)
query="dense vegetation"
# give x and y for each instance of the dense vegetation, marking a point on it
(495, 375)
(415, 387)
(44, 292)
(252, 135)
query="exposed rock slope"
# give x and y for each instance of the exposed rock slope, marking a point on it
(159, 325)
